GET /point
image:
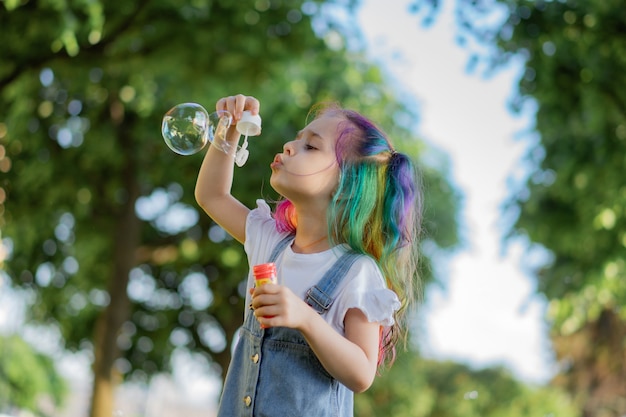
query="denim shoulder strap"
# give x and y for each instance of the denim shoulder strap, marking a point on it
(279, 247)
(320, 296)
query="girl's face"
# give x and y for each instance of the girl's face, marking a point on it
(307, 167)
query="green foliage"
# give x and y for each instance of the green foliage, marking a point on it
(417, 387)
(575, 200)
(26, 376)
(573, 205)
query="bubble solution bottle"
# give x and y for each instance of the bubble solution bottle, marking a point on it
(265, 274)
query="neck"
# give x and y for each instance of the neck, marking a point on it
(311, 233)
(321, 243)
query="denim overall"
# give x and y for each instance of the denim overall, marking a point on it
(274, 372)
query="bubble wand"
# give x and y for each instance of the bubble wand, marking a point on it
(187, 128)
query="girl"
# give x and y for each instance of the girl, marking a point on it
(343, 238)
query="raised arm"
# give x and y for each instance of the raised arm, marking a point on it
(215, 179)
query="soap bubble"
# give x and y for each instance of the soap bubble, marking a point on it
(187, 128)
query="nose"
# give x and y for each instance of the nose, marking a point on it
(288, 148)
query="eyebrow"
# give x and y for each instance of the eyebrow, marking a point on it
(312, 134)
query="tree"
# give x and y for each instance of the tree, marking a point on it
(572, 205)
(417, 387)
(99, 218)
(26, 376)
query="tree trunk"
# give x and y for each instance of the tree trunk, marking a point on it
(230, 323)
(595, 360)
(125, 240)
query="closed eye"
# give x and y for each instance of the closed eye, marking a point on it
(309, 137)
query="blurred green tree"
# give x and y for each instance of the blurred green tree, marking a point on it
(417, 387)
(572, 207)
(26, 377)
(98, 217)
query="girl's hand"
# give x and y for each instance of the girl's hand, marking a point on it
(227, 140)
(351, 358)
(236, 105)
(276, 305)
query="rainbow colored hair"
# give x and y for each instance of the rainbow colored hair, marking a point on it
(376, 209)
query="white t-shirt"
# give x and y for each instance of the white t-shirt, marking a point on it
(363, 286)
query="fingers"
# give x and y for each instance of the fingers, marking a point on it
(237, 104)
(266, 297)
(266, 315)
(263, 312)
(262, 296)
(268, 288)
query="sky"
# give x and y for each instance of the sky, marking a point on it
(486, 313)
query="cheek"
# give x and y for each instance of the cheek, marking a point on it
(332, 181)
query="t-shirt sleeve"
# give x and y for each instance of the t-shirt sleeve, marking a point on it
(368, 292)
(258, 223)
(261, 234)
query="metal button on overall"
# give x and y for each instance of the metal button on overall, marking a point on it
(255, 358)
(247, 400)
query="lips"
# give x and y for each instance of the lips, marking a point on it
(278, 160)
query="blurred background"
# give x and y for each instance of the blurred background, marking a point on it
(118, 297)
